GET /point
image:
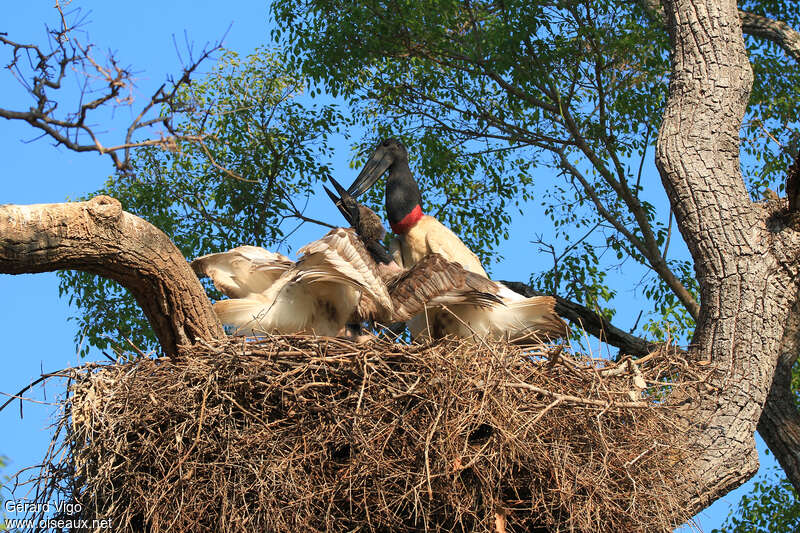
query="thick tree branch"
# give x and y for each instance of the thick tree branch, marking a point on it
(776, 31)
(779, 424)
(593, 322)
(759, 26)
(99, 237)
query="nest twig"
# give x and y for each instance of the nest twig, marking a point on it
(300, 433)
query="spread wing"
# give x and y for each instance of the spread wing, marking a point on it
(437, 281)
(341, 257)
(242, 271)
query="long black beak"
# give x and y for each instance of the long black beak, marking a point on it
(378, 163)
(346, 204)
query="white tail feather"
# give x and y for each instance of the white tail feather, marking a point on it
(531, 315)
(242, 314)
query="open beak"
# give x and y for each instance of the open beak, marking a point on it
(378, 163)
(346, 204)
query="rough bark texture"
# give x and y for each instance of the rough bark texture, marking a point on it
(745, 263)
(758, 26)
(776, 31)
(780, 424)
(99, 237)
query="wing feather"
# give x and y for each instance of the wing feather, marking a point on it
(341, 257)
(242, 271)
(530, 319)
(436, 281)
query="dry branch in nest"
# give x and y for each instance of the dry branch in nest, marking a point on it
(304, 433)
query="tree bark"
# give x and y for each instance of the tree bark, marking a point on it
(745, 264)
(776, 31)
(758, 26)
(780, 423)
(99, 237)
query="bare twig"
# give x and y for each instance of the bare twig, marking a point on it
(42, 77)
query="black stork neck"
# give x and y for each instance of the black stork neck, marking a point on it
(403, 199)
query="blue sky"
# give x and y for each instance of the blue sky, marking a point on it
(37, 334)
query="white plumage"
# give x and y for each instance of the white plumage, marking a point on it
(316, 295)
(516, 319)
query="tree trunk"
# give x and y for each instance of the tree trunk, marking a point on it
(779, 424)
(745, 259)
(99, 237)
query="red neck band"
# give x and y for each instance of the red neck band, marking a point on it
(408, 221)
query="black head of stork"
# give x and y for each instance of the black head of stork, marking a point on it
(403, 199)
(367, 224)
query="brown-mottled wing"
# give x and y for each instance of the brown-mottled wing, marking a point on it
(370, 225)
(437, 281)
(341, 257)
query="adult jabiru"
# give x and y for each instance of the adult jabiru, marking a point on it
(475, 307)
(418, 234)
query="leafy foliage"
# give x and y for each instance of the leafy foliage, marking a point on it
(566, 95)
(772, 506)
(263, 149)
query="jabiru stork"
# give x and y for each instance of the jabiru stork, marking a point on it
(268, 293)
(335, 278)
(506, 315)
(418, 234)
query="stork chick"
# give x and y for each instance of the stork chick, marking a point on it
(316, 295)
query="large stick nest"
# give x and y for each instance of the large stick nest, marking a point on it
(315, 434)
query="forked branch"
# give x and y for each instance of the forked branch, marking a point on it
(41, 71)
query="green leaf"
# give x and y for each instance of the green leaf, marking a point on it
(272, 148)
